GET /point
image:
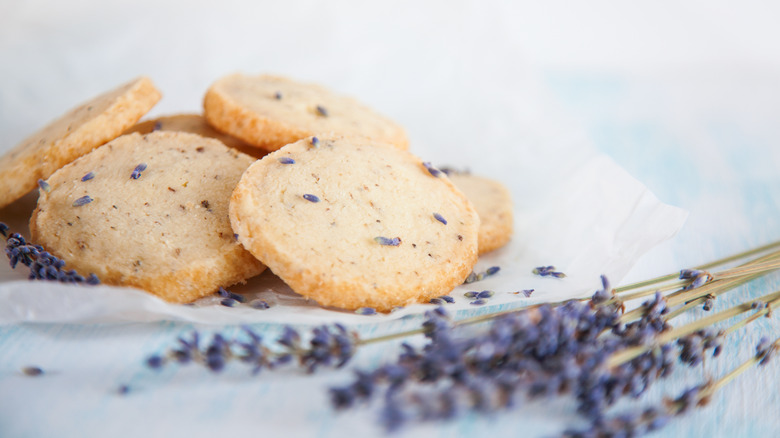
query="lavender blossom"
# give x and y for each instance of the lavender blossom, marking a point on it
(331, 346)
(137, 171)
(42, 264)
(432, 170)
(765, 350)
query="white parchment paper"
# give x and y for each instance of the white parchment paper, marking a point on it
(581, 213)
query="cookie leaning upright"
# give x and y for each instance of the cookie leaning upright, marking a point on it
(74, 134)
(148, 211)
(352, 223)
(270, 112)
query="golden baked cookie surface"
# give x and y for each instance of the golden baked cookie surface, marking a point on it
(351, 223)
(77, 132)
(194, 124)
(149, 211)
(270, 112)
(493, 203)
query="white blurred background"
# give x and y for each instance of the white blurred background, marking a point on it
(438, 67)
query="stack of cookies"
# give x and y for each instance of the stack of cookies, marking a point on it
(313, 185)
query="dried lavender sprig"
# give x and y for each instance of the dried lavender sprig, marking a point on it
(733, 272)
(653, 418)
(456, 360)
(630, 353)
(635, 333)
(327, 346)
(709, 265)
(715, 288)
(594, 407)
(763, 310)
(42, 264)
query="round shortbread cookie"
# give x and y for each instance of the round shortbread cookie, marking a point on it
(270, 112)
(352, 223)
(493, 203)
(149, 211)
(80, 130)
(194, 124)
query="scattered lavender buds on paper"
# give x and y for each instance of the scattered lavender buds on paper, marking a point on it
(473, 276)
(232, 299)
(32, 371)
(228, 302)
(286, 160)
(259, 304)
(444, 299)
(548, 271)
(224, 293)
(525, 292)
(486, 294)
(87, 177)
(315, 142)
(322, 111)
(311, 198)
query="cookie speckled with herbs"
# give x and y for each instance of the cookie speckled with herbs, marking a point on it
(493, 203)
(153, 215)
(77, 132)
(270, 112)
(352, 223)
(194, 124)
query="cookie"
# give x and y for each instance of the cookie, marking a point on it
(353, 223)
(194, 124)
(493, 203)
(270, 112)
(74, 134)
(149, 211)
